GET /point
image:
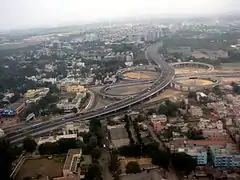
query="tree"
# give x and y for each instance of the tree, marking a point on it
(48, 148)
(94, 172)
(114, 162)
(96, 153)
(127, 127)
(217, 90)
(132, 167)
(137, 131)
(192, 95)
(27, 178)
(95, 125)
(161, 158)
(163, 109)
(29, 144)
(169, 108)
(74, 110)
(65, 144)
(183, 162)
(93, 141)
(6, 159)
(195, 134)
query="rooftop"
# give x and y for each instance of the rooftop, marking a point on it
(16, 104)
(72, 159)
(193, 150)
(180, 143)
(228, 149)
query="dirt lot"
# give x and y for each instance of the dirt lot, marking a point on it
(189, 70)
(169, 93)
(44, 167)
(199, 82)
(141, 75)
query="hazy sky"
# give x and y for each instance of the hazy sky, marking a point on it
(37, 13)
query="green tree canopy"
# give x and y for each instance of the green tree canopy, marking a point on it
(29, 144)
(183, 162)
(96, 153)
(132, 167)
(94, 172)
(6, 159)
(48, 148)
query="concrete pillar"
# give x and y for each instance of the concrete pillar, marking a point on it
(181, 88)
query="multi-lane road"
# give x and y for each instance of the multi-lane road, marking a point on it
(166, 76)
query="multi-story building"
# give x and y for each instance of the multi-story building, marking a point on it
(153, 35)
(70, 167)
(53, 139)
(157, 121)
(197, 152)
(76, 89)
(32, 93)
(225, 156)
(196, 111)
(18, 106)
(68, 106)
(72, 127)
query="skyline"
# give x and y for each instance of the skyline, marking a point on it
(23, 14)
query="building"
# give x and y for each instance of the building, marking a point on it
(75, 166)
(76, 89)
(70, 168)
(153, 35)
(197, 152)
(53, 139)
(72, 127)
(1, 133)
(196, 111)
(18, 106)
(225, 155)
(157, 121)
(32, 93)
(68, 105)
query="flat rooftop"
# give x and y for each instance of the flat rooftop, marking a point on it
(72, 159)
(16, 104)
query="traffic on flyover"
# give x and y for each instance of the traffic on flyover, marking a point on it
(167, 75)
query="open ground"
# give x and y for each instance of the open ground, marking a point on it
(141, 75)
(44, 167)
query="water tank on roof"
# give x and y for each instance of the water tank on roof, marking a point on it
(1, 133)
(238, 89)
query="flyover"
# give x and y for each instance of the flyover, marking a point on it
(165, 78)
(105, 94)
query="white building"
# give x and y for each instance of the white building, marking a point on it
(1, 133)
(53, 139)
(72, 127)
(196, 111)
(50, 80)
(75, 103)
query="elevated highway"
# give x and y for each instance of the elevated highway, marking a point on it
(165, 78)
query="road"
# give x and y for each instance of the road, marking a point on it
(171, 173)
(167, 75)
(105, 158)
